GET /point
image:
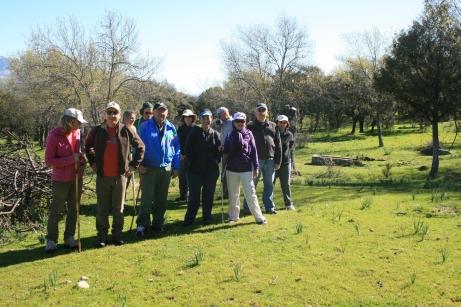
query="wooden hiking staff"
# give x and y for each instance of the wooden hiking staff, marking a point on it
(77, 205)
(135, 199)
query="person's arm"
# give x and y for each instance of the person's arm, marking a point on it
(139, 147)
(254, 157)
(177, 154)
(277, 150)
(90, 148)
(218, 147)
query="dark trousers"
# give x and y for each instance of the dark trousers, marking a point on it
(285, 177)
(182, 180)
(203, 185)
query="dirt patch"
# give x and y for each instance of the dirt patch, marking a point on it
(445, 211)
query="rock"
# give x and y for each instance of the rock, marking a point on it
(83, 284)
(331, 160)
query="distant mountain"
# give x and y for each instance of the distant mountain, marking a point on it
(4, 65)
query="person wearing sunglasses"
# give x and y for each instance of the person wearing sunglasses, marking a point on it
(108, 148)
(269, 147)
(188, 119)
(242, 167)
(284, 172)
(146, 112)
(203, 156)
(63, 154)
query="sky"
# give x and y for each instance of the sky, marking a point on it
(187, 35)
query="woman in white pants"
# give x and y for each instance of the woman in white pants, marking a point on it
(242, 166)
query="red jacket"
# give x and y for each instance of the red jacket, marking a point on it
(59, 155)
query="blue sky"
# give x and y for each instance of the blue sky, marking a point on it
(187, 34)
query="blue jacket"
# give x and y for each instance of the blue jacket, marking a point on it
(160, 152)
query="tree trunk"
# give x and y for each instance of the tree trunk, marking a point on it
(361, 123)
(373, 124)
(354, 124)
(435, 149)
(380, 133)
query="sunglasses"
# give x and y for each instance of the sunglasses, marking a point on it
(109, 112)
(261, 110)
(148, 113)
(239, 121)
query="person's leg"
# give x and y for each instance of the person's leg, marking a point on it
(223, 176)
(268, 173)
(71, 219)
(162, 183)
(284, 176)
(208, 190)
(233, 186)
(262, 167)
(104, 203)
(147, 195)
(61, 191)
(118, 202)
(250, 194)
(182, 176)
(195, 185)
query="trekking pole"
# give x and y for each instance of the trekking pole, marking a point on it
(135, 200)
(222, 200)
(77, 205)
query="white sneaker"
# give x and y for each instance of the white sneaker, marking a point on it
(70, 242)
(261, 222)
(290, 208)
(50, 246)
(231, 222)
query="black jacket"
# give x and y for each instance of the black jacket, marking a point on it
(95, 144)
(202, 151)
(288, 142)
(267, 139)
(183, 133)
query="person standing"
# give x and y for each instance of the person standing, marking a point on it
(108, 151)
(146, 113)
(284, 172)
(63, 154)
(188, 119)
(129, 118)
(269, 148)
(160, 164)
(225, 129)
(242, 167)
(203, 153)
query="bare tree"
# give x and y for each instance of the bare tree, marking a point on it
(261, 58)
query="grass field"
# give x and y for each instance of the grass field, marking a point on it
(360, 236)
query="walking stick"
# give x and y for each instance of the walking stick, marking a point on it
(135, 201)
(222, 200)
(77, 205)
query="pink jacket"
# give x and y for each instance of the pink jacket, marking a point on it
(59, 155)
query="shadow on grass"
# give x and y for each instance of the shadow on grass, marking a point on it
(13, 257)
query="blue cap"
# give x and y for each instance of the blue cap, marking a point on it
(206, 112)
(261, 105)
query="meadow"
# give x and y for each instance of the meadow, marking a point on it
(378, 234)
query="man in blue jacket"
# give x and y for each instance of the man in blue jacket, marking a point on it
(160, 164)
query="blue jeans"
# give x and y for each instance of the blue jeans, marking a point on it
(266, 169)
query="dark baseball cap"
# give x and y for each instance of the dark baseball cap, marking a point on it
(160, 105)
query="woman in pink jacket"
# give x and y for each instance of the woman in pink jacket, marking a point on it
(64, 156)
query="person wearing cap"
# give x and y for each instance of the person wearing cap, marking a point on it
(269, 148)
(226, 128)
(160, 164)
(129, 118)
(146, 112)
(63, 154)
(284, 172)
(188, 119)
(108, 147)
(203, 154)
(242, 167)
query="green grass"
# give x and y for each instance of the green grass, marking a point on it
(404, 248)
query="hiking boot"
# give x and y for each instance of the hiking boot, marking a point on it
(290, 208)
(187, 223)
(261, 222)
(140, 231)
(159, 228)
(50, 246)
(207, 222)
(232, 222)
(273, 211)
(70, 242)
(101, 244)
(118, 242)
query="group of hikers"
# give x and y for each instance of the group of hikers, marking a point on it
(115, 149)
